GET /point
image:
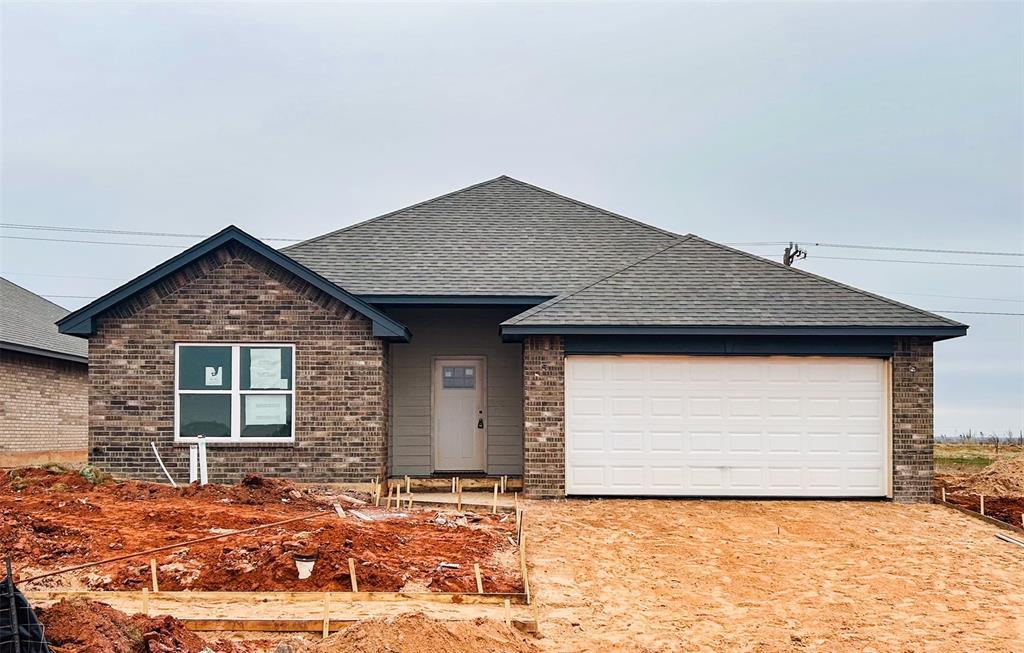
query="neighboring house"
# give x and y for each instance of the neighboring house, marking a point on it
(44, 383)
(504, 329)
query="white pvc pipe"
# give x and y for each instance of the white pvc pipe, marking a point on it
(193, 463)
(203, 478)
(166, 473)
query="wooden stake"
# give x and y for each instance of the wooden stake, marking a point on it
(352, 574)
(479, 580)
(391, 490)
(508, 612)
(983, 505)
(494, 508)
(522, 562)
(408, 484)
(458, 497)
(327, 614)
(152, 572)
(515, 495)
(504, 481)
(453, 485)
(145, 601)
(943, 495)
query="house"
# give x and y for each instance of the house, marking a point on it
(505, 329)
(44, 384)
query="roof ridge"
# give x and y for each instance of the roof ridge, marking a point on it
(573, 200)
(829, 281)
(34, 294)
(391, 213)
(540, 308)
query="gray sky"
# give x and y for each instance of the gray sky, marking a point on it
(877, 124)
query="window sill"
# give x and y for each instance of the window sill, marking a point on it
(263, 442)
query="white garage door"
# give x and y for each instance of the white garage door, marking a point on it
(726, 426)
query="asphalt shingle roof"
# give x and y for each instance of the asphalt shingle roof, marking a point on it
(500, 237)
(695, 282)
(27, 320)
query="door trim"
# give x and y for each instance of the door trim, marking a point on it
(482, 390)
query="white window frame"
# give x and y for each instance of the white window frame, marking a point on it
(236, 394)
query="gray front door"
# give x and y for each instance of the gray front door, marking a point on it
(460, 425)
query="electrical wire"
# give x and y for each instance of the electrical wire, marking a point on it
(898, 260)
(123, 232)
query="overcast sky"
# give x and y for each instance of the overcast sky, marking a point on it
(877, 124)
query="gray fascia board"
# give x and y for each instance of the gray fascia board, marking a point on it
(513, 332)
(456, 300)
(76, 321)
(36, 351)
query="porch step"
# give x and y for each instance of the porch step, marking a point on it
(442, 484)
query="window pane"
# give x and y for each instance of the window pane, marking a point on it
(458, 377)
(208, 415)
(266, 368)
(204, 368)
(267, 416)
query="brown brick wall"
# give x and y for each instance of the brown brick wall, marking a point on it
(43, 404)
(544, 416)
(912, 420)
(232, 295)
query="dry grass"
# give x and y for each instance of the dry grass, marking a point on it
(967, 458)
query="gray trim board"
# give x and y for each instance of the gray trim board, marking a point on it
(456, 300)
(81, 322)
(513, 333)
(871, 346)
(47, 353)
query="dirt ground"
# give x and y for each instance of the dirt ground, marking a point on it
(652, 575)
(53, 520)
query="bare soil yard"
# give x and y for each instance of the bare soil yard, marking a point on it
(652, 575)
(53, 520)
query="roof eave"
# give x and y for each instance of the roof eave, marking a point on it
(38, 351)
(513, 332)
(82, 321)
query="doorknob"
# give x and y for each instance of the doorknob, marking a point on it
(480, 423)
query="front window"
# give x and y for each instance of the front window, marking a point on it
(235, 392)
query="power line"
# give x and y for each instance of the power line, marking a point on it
(921, 294)
(164, 234)
(919, 249)
(69, 296)
(123, 232)
(880, 247)
(92, 242)
(897, 260)
(935, 310)
(60, 276)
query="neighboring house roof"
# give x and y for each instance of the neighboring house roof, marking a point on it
(501, 237)
(82, 321)
(28, 324)
(696, 284)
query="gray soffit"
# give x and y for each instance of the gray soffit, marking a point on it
(81, 322)
(500, 237)
(697, 286)
(28, 324)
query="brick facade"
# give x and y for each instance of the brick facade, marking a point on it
(913, 416)
(234, 295)
(544, 416)
(43, 407)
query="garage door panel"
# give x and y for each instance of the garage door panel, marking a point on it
(742, 426)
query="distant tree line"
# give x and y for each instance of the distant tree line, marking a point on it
(970, 436)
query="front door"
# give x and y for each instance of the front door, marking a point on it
(460, 425)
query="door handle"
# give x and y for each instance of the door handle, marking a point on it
(480, 423)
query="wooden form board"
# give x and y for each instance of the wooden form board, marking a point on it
(523, 623)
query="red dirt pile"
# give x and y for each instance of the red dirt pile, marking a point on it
(1004, 478)
(59, 518)
(416, 633)
(79, 626)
